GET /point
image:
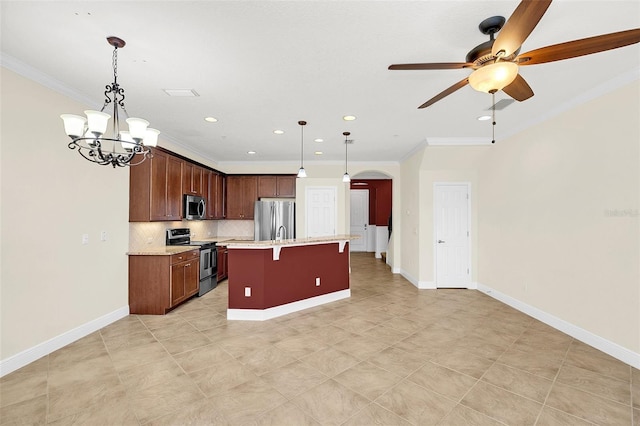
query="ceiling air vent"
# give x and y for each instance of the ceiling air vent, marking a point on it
(502, 104)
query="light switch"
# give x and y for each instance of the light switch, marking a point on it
(85, 239)
(247, 292)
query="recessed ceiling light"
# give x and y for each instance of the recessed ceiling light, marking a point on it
(484, 117)
(251, 152)
(211, 119)
(318, 140)
(278, 132)
(318, 153)
(349, 117)
(181, 92)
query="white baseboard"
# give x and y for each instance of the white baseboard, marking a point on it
(426, 285)
(407, 276)
(623, 354)
(27, 356)
(278, 311)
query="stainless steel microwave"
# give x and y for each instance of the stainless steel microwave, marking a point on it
(195, 207)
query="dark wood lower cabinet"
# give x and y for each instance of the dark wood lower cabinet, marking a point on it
(223, 256)
(159, 283)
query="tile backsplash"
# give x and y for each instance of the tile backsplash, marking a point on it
(145, 234)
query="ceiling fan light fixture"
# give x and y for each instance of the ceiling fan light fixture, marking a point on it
(493, 77)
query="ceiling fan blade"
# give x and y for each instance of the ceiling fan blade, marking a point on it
(519, 25)
(432, 66)
(445, 93)
(585, 46)
(519, 89)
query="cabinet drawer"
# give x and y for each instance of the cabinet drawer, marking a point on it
(187, 255)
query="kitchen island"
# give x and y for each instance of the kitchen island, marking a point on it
(268, 279)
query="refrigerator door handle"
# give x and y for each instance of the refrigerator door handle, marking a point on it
(272, 218)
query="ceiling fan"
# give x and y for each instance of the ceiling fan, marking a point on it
(496, 61)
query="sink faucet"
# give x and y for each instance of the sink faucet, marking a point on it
(284, 234)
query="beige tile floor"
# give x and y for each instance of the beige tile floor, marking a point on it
(390, 355)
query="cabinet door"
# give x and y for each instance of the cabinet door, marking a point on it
(220, 197)
(209, 190)
(234, 197)
(221, 270)
(267, 186)
(191, 277)
(177, 282)
(174, 189)
(197, 184)
(286, 186)
(192, 179)
(158, 187)
(250, 196)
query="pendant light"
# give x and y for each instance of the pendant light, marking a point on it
(302, 173)
(346, 178)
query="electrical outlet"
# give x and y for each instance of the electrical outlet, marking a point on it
(85, 239)
(103, 236)
(317, 281)
(247, 292)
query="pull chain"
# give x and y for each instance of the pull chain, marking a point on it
(493, 125)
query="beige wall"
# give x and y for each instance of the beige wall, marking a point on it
(410, 194)
(558, 217)
(50, 282)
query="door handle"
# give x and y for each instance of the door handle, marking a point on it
(440, 241)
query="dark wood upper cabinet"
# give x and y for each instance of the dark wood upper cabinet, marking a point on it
(219, 212)
(214, 193)
(276, 186)
(155, 189)
(242, 193)
(192, 179)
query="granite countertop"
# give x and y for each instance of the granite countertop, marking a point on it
(292, 242)
(237, 242)
(161, 251)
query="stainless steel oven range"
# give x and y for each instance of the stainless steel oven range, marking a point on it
(208, 256)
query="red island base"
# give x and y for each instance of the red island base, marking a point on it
(270, 280)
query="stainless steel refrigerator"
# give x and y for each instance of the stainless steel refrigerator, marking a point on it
(274, 220)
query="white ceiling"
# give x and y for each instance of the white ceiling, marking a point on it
(265, 65)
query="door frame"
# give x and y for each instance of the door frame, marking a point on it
(435, 229)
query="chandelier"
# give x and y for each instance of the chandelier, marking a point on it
(119, 147)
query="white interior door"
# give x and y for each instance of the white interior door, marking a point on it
(452, 241)
(320, 211)
(359, 218)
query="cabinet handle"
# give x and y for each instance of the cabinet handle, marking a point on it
(187, 265)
